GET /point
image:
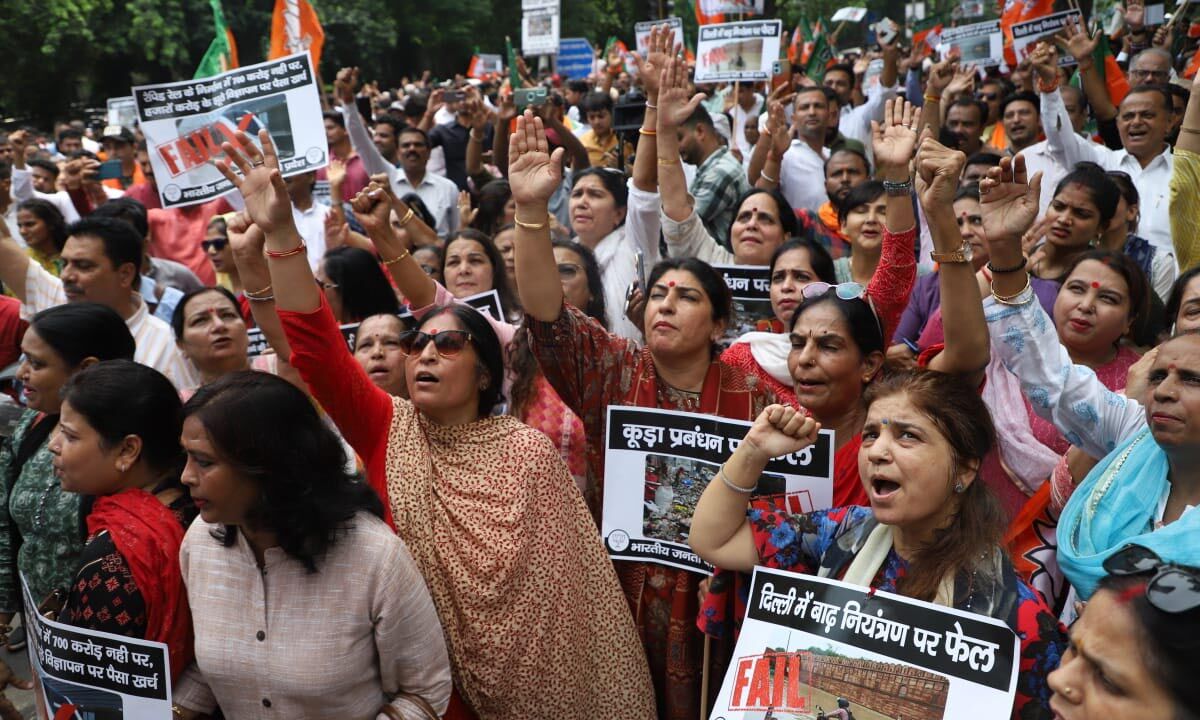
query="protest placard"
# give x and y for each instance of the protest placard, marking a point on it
(485, 64)
(743, 51)
(849, 14)
(751, 289)
(641, 32)
(487, 303)
(1027, 34)
(731, 7)
(122, 111)
(807, 641)
(658, 462)
(1155, 14)
(186, 122)
(539, 32)
(81, 673)
(980, 44)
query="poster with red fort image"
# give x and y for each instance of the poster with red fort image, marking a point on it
(818, 649)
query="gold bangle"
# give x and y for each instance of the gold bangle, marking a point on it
(763, 174)
(388, 263)
(1008, 299)
(280, 254)
(408, 216)
(664, 161)
(531, 226)
(933, 98)
(644, 131)
(257, 294)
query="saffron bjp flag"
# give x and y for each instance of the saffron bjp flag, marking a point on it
(1018, 11)
(295, 28)
(222, 51)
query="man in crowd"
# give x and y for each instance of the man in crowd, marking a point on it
(805, 158)
(452, 137)
(308, 214)
(386, 135)
(720, 179)
(600, 140)
(966, 118)
(340, 147)
(846, 169)
(1021, 120)
(118, 143)
(102, 258)
(26, 184)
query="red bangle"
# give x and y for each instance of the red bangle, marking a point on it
(287, 253)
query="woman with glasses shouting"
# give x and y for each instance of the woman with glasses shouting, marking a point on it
(1135, 650)
(484, 503)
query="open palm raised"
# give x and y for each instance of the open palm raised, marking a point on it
(895, 138)
(1009, 200)
(533, 173)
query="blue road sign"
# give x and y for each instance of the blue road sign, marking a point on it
(575, 58)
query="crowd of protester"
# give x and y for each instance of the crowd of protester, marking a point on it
(992, 299)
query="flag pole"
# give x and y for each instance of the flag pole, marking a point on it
(704, 677)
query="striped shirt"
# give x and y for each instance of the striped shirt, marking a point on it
(719, 182)
(154, 338)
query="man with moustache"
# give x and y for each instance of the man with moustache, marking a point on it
(720, 179)
(102, 257)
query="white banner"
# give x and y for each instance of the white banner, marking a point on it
(731, 7)
(642, 32)
(658, 462)
(186, 122)
(122, 111)
(743, 51)
(539, 32)
(980, 44)
(81, 673)
(1026, 35)
(808, 641)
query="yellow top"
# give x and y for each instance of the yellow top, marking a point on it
(1185, 209)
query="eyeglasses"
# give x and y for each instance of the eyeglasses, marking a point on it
(568, 271)
(843, 291)
(449, 343)
(215, 245)
(326, 285)
(1156, 74)
(1173, 589)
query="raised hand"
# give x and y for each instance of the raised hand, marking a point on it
(781, 430)
(533, 173)
(245, 238)
(465, 212)
(1009, 200)
(941, 75)
(658, 54)
(1135, 15)
(938, 170)
(259, 180)
(896, 137)
(777, 129)
(963, 82)
(345, 84)
(674, 106)
(507, 110)
(1045, 62)
(1076, 40)
(336, 172)
(337, 230)
(372, 207)
(1164, 38)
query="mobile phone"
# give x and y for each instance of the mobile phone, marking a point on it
(109, 170)
(781, 73)
(453, 96)
(529, 97)
(640, 258)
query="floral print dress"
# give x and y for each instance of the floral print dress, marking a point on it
(825, 542)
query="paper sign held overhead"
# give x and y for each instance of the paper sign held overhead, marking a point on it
(850, 14)
(744, 51)
(539, 32)
(731, 7)
(642, 32)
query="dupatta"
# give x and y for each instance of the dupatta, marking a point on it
(1117, 504)
(148, 536)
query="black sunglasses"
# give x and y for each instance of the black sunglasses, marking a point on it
(217, 245)
(449, 343)
(1173, 589)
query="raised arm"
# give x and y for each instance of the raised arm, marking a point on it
(1025, 339)
(940, 76)
(14, 264)
(966, 350)
(534, 174)
(1185, 185)
(360, 138)
(658, 54)
(720, 530)
(674, 108)
(767, 159)
(891, 284)
(373, 206)
(1079, 42)
(1075, 149)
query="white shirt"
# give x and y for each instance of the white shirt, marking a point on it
(310, 224)
(1150, 181)
(802, 176)
(740, 117)
(855, 122)
(10, 219)
(438, 192)
(154, 338)
(22, 190)
(617, 257)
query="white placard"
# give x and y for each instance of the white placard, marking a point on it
(743, 51)
(850, 14)
(539, 32)
(980, 44)
(186, 122)
(642, 32)
(731, 7)
(1027, 34)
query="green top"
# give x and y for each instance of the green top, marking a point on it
(39, 524)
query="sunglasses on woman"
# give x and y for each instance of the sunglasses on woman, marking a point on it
(217, 245)
(1172, 588)
(449, 343)
(843, 291)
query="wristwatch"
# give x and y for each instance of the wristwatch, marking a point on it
(961, 255)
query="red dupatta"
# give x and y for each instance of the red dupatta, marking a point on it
(724, 393)
(148, 536)
(847, 486)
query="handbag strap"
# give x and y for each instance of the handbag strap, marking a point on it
(421, 703)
